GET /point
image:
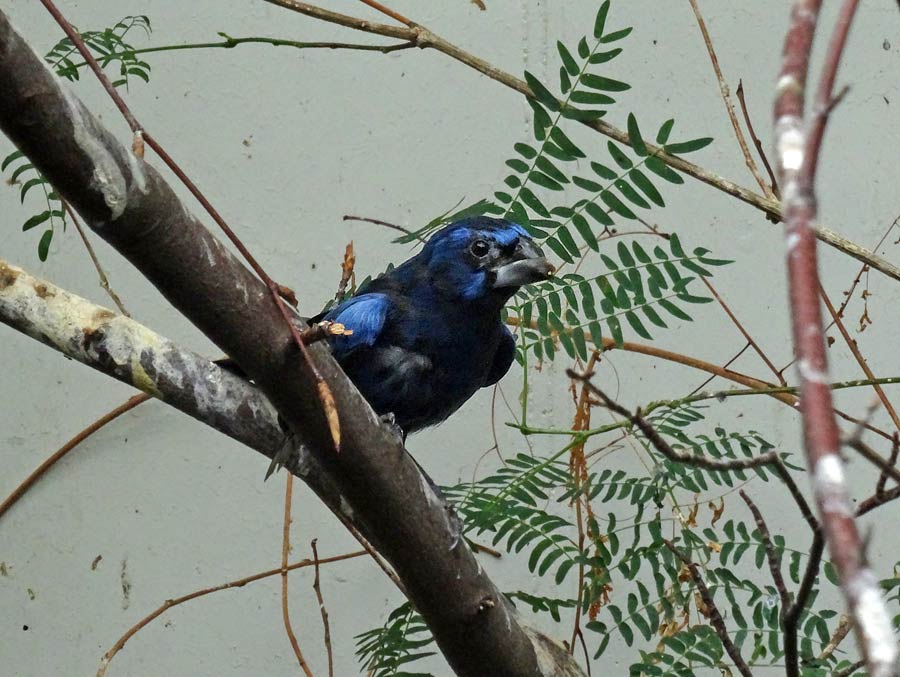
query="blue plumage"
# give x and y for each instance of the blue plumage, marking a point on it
(427, 335)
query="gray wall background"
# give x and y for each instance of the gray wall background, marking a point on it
(285, 143)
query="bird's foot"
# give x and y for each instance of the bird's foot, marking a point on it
(390, 421)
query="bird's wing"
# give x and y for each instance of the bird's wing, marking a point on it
(503, 358)
(364, 315)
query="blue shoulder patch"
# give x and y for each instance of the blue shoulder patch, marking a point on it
(365, 315)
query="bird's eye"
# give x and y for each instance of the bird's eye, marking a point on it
(479, 248)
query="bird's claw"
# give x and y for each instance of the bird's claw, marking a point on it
(390, 421)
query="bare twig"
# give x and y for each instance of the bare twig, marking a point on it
(240, 582)
(715, 618)
(20, 490)
(892, 461)
(323, 610)
(729, 106)
(347, 272)
(791, 658)
(386, 224)
(858, 356)
(797, 154)
(740, 327)
(426, 39)
(843, 628)
(849, 670)
(756, 142)
(104, 280)
(285, 550)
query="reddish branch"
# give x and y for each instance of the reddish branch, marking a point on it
(796, 160)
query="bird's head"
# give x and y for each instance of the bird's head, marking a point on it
(483, 258)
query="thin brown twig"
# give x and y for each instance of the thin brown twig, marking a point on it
(104, 280)
(715, 618)
(791, 657)
(843, 628)
(860, 360)
(322, 609)
(285, 550)
(729, 105)
(744, 332)
(238, 583)
(388, 12)
(42, 469)
(892, 461)
(760, 150)
(849, 670)
(386, 224)
(426, 39)
(324, 393)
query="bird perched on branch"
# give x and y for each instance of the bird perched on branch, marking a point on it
(424, 337)
(427, 335)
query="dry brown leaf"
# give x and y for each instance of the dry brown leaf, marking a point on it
(331, 413)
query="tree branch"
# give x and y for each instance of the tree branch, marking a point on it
(796, 159)
(128, 203)
(426, 39)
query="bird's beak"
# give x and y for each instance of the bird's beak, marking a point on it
(526, 265)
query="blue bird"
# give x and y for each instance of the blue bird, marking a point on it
(427, 335)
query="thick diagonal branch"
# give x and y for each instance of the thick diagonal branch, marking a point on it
(128, 204)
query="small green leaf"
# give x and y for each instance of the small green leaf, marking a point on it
(631, 194)
(19, 171)
(569, 62)
(583, 49)
(532, 201)
(545, 165)
(565, 82)
(615, 328)
(28, 185)
(663, 134)
(616, 205)
(603, 171)
(558, 249)
(584, 229)
(541, 120)
(604, 84)
(619, 156)
(44, 244)
(36, 220)
(639, 179)
(616, 35)
(525, 150)
(565, 237)
(9, 159)
(661, 169)
(599, 214)
(591, 98)
(544, 181)
(688, 146)
(603, 57)
(541, 93)
(634, 136)
(600, 19)
(517, 165)
(587, 184)
(565, 143)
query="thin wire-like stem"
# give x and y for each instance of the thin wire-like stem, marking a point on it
(760, 150)
(238, 583)
(104, 280)
(729, 105)
(321, 599)
(42, 469)
(285, 551)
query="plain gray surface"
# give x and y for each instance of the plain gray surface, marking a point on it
(285, 143)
